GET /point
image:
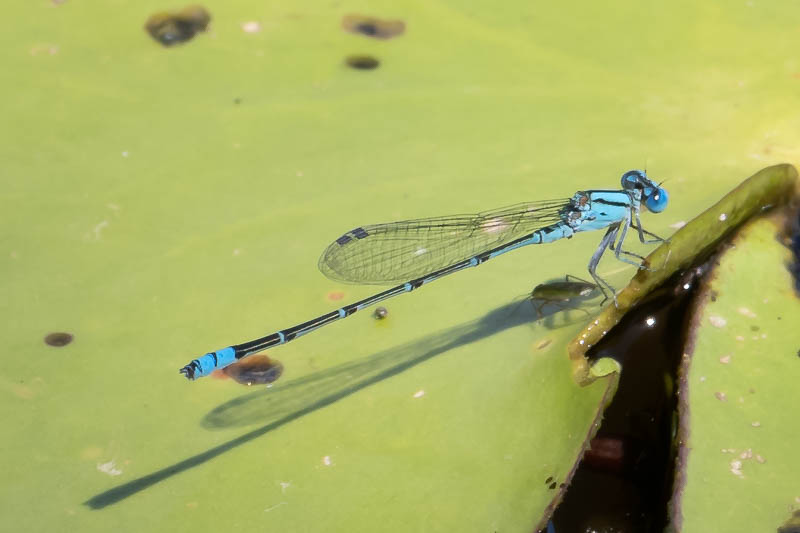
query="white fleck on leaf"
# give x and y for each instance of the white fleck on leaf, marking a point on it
(109, 468)
(747, 454)
(746, 312)
(736, 468)
(251, 26)
(717, 321)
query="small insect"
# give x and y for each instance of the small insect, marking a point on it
(417, 252)
(562, 294)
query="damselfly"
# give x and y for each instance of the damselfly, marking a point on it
(417, 252)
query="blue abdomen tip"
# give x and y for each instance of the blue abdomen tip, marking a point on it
(214, 360)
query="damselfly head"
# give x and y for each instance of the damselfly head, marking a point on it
(654, 197)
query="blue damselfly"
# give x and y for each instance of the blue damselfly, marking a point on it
(417, 252)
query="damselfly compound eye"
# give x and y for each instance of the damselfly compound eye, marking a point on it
(657, 201)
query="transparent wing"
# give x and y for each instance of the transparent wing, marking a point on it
(401, 251)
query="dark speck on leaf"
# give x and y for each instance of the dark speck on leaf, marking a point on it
(361, 62)
(367, 29)
(58, 339)
(373, 27)
(174, 27)
(254, 370)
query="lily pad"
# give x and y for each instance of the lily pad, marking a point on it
(162, 202)
(738, 432)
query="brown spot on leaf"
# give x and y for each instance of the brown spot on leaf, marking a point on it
(254, 370)
(174, 27)
(362, 62)
(373, 26)
(58, 339)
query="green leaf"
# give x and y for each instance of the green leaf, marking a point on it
(738, 466)
(162, 202)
